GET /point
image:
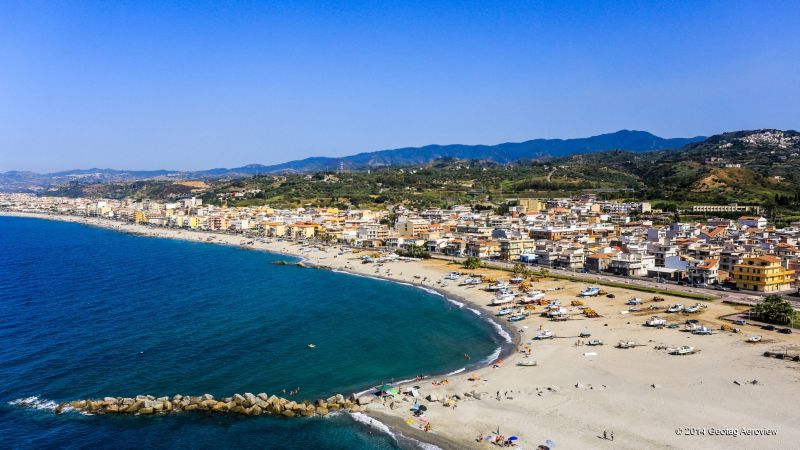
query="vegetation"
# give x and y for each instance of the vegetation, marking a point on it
(743, 167)
(472, 263)
(774, 309)
(414, 251)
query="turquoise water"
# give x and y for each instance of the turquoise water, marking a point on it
(87, 313)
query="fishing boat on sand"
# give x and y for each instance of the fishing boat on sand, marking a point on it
(754, 339)
(543, 334)
(626, 344)
(590, 292)
(517, 317)
(682, 350)
(527, 363)
(504, 311)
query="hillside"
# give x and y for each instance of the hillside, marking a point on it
(537, 149)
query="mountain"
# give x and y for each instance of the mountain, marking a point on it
(537, 149)
(748, 167)
(635, 141)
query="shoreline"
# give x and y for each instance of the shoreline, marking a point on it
(575, 392)
(506, 348)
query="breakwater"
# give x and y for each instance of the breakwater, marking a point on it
(247, 404)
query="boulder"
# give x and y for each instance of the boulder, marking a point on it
(145, 411)
(238, 399)
(112, 409)
(254, 410)
(321, 411)
(220, 407)
(110, 400)
(263, 396)
(207, 397)
(78, 404)
(190, 407)
(364, 400)
(288, 413)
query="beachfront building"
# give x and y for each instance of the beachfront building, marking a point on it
(763, 273)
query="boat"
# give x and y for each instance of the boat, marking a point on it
(556, 312)
(473, 281)
(634, 301)
(503, 299)
(585, 334)
(754, 339)
(692, 326)
(676, 308)
(543, 334)
(655, 321)
(452, 276)
(692, 309)
(682, 350)
(504, 311)
(595, 342)
(532, 297)
(634, 309)
(590, 292)
(626, 344)
(527, 363)
(497, 286)
(516, 280)
(312, 345)
(517, 317)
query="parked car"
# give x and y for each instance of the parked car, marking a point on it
(768, 327)
(739, 322)
(785, 331)
(611, 296)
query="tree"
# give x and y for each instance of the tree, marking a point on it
(774, 309)
(472, 262)
(414, 251)
(520, 269)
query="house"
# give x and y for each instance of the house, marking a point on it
(703, 271)
(753, 222)
(762, 273)
(598, 262)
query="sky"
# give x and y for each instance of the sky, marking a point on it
(195, 85)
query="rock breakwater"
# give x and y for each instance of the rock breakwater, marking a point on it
(247, 404)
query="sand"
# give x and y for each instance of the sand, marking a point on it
(648, 398)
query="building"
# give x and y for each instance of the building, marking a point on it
(753, 221)
(726, 208)
(763, 274)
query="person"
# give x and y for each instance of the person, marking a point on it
(612, 435)
(605, 434)
(479, 438)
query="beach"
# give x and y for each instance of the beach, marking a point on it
(645, 396)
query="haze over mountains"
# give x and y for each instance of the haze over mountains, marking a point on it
(537, 149)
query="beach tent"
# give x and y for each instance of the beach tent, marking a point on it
(388, 389)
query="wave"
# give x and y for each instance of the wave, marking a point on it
(374, 423)
(457, 303)
(456, 371)
(501, 331)
(382, 427)
(477, 312)
(493, 357)
(35, 402)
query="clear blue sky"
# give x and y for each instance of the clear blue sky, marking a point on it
(193, 85)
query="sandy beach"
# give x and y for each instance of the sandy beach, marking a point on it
(645, 396)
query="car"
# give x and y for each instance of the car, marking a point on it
(611, 296)
(785, 331)
(739, 322)
(768, 327)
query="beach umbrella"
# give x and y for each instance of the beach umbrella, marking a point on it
(513, 438)
(476, 376)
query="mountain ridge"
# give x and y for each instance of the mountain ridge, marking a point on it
(503, 153)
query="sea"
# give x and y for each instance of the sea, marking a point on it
(88, 312)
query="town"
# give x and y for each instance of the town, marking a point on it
(580, 234)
